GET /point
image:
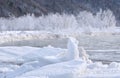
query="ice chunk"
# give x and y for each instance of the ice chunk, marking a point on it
(73, 52)
(68, 69)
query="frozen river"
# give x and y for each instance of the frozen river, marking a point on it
(102, 47)
(28, 55)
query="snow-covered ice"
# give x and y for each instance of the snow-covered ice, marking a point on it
(68, 69)
(51, 62)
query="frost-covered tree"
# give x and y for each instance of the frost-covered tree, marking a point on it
(84, 21)
(102, 20)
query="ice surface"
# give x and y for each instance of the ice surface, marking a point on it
(51, 62)
(68, 69)
(95, 45)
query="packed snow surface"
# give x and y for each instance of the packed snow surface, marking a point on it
(51, 62)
